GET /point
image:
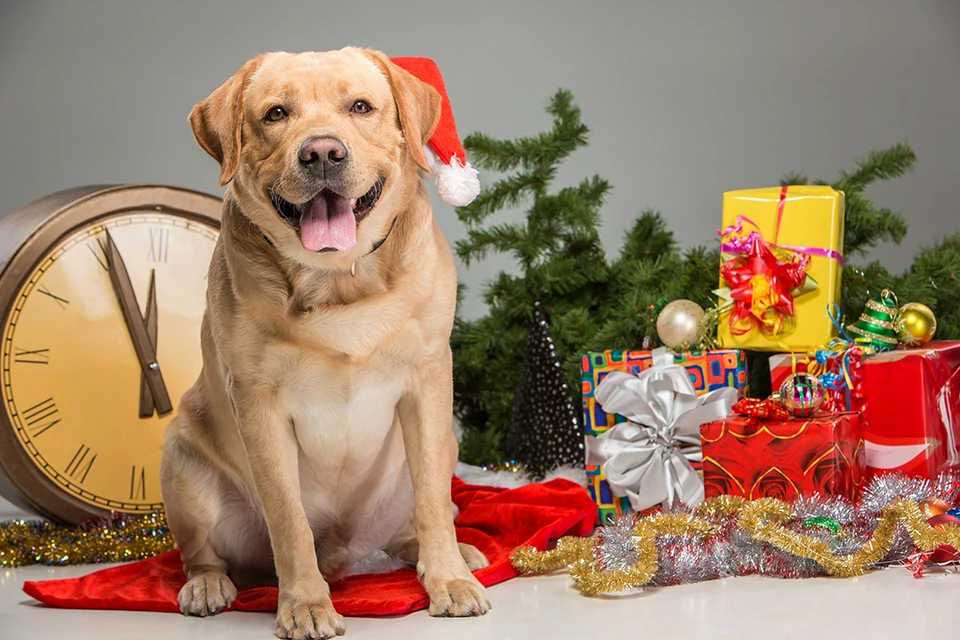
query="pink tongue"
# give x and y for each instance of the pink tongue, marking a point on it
(327, 222)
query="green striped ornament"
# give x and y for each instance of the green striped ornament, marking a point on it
(877, 323)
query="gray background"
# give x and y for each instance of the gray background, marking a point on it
(685, 99)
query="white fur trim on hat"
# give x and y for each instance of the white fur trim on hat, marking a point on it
(457, 183)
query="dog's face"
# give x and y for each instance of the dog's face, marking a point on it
(322, 148)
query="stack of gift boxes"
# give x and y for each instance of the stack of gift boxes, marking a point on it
(779, 288)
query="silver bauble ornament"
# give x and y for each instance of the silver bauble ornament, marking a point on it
(802, 394)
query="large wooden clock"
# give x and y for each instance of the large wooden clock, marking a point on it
(102, 292)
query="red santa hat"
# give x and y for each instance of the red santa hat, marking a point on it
(456, 181)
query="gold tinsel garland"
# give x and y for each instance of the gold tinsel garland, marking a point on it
(761, 519)
(120, 538)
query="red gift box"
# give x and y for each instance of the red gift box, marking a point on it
(912, 408)
(755, 458)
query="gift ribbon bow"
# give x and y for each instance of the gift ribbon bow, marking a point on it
(768, 409)
(648, 457)
(764, 284)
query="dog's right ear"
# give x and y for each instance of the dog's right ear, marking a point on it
(217, 121)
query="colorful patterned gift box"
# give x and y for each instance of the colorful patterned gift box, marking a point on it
(754, 458)
(912, 406)
(708, 371)
(782, 253)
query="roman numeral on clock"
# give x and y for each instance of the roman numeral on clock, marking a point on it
(159, 244)
(32, 356)
(138, 483)
(63, 302)
(41, 417)
(80, 464)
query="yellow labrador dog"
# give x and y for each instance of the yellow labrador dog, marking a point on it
(320, 428)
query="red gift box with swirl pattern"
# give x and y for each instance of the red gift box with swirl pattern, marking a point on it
(757, 458)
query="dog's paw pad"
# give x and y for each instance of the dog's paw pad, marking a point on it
(206, 594)
(313, 622)
(459, 599)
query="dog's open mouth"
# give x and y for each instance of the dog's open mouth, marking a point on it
(328, 221)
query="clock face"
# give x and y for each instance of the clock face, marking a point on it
(80, 389)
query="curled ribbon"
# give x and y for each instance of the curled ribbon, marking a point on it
(648, 457)
(765, 277)
(838, 364)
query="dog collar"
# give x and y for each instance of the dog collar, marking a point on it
(376, 245)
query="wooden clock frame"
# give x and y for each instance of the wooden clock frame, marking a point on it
(26, 236)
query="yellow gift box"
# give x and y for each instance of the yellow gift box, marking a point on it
(801, 227)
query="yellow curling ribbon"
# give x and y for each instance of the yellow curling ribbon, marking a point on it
(763, 298)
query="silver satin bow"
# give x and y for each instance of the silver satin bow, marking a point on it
(648, 458)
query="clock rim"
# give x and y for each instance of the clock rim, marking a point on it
(27, 235)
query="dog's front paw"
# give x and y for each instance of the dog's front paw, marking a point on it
(206, 593)
(300, 621)
(456, 597)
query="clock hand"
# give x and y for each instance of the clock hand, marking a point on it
(146, 353)
(150, 320)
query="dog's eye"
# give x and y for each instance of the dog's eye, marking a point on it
(275, 114)
(361, 106)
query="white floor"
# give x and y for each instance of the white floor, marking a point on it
(886, 604)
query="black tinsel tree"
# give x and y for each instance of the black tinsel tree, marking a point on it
(545, 429)
(594, 303)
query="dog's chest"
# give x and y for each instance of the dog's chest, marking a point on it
(339, 382)
(343, 414)
(342, 396)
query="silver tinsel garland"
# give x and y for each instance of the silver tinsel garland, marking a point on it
(845, 527)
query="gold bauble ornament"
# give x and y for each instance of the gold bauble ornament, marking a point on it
(916, 324)
(679, 324)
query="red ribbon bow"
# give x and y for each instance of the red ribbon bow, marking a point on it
(761, 287)
(768, 409)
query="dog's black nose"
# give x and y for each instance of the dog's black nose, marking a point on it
(323, 156)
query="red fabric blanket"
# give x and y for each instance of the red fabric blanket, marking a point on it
(494, 520)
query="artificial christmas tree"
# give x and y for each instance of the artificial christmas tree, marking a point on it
(596, 304)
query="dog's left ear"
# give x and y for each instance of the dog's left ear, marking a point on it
(418, 106)
(217, 121)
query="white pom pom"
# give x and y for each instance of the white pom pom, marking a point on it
(457, 183)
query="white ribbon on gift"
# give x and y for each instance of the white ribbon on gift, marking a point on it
(946, 409)
(648, 458)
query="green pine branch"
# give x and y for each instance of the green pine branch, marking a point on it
(884, 164)
(532, 152)
(499, 238)
(508, 192)
(867, 225)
